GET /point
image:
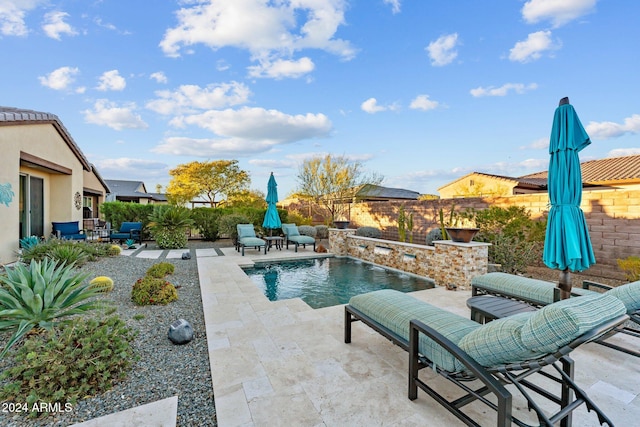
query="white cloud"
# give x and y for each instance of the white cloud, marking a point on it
(159, 77)
(606, 130)
(244, 132)
(621, 152)
(268, 30)
(282, 68)
(111, 80)
(395, 5)
(422, 102)
(503, 90)
(371, 106)
(190, 98)
(54, 25)
(129, 164)
(442, 51)
(533, 47)
(538, 144)
(106, 113)
(12, 14)
(59, 79)
(558, 12)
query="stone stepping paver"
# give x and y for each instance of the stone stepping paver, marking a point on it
(160, 413)
(176, 253)
(206, 252)
(152, 254)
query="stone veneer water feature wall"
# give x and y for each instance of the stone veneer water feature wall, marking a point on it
(447, 263)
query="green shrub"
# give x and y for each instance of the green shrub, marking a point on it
(516, 239)
(307, 230)
(51, 249)
(161, 270)
(68, 254)
(102, 284)
(153, 291)
(369, 232)
(322, 231)
(82, 358)
(295, 217)
(631, 266)
(169, 225)
(206, 221)
(227, 225)
(39, 295)
(433, 235)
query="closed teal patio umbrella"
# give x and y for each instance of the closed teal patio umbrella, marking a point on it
(567, 246)
(271, 217)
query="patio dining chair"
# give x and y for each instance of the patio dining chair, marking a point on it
(292, 234)
(247, 238)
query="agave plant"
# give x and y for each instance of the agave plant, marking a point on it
(38, 295)
(29, 242)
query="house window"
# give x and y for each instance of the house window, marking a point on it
(471, 183)
(87, 207)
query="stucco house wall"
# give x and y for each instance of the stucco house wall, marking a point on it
(37, 150)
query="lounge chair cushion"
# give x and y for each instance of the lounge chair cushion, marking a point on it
(290, 230)
(534, 290)
(252, 241)
(629, 294)
(557, 324)
(499, 342)
(395, 310)
(245, 230)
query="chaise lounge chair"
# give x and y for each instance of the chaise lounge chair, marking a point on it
(247, 238)
(291, 234)
(541, 293)
(509, 351)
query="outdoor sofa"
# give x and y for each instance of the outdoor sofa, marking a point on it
(541, 293)
(291, 234)
(247, 238)
(506, 351)
(128, 231)
(69, 230)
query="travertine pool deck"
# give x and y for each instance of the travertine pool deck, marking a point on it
(285, 364)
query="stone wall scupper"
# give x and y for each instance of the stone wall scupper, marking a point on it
(447, 263)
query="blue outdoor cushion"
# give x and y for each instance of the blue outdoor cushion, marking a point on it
(252, 241)
(499, 342)
(128, 227)
(557, 324)
(290, 230)
(394, 310)
(245, 230)
(629, 294)
(539, 291)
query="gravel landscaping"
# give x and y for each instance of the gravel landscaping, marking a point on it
(163, 369)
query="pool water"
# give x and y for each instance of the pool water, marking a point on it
(329, 281)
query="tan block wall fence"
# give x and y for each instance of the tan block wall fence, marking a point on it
(613, 218)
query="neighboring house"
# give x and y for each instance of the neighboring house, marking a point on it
(132, 192)
(377, 193)
(44, 177)
(614, 172)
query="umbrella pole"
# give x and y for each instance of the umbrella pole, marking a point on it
(565, 284)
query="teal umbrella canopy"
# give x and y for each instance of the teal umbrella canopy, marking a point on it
(567, 244)
(271, 217)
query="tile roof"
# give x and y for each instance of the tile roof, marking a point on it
(20, 116)
(603, 171)
(370, 191)
(124, 188)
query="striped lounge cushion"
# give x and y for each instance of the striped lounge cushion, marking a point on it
(558, 324)
(499, 342)
(535, 290)
(629, 294)
(394, 310)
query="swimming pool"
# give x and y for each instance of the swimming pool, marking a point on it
(329, 281)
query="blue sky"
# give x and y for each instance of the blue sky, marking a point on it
(421, 92)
